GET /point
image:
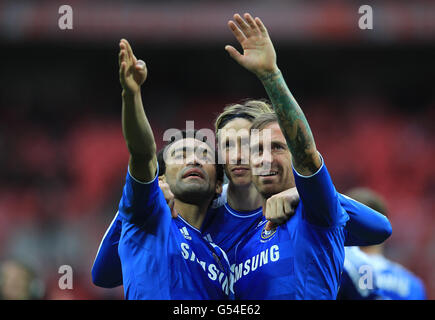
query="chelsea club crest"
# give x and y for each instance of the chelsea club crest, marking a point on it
(266, 235)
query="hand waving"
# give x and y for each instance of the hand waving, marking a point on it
(132, 72)
(258, 55)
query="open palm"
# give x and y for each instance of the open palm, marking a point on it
(132, 72)
(259, 54)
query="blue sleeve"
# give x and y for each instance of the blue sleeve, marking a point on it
(418, 290)
(366, 226)
(107, 271)
(141, 201)
(321, 206)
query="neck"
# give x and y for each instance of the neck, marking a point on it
(243, 198)
(373, 250)
(194, 214)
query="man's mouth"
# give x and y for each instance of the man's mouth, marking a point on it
(269, 174)
(193, 173)
(239, 170)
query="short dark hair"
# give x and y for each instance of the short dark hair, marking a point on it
(370, 198)
(187, 134)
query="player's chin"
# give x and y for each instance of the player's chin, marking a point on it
(268, 189)
(241, 180)
(195, 193)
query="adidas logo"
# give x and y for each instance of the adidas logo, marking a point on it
(208, 237)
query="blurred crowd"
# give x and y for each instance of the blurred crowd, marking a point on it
(58, 193)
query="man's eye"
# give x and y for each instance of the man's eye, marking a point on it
(180, 155)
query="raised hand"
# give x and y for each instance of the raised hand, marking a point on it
(259, 54)
(132, 72)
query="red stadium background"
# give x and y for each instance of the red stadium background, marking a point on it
(368, 95)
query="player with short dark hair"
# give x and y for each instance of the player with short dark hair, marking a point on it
(162, 257)
(368, 274)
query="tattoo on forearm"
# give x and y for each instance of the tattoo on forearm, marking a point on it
(292, 120)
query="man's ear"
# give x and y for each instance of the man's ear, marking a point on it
(218, 189)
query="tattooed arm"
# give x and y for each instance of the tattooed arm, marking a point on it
(259, 57)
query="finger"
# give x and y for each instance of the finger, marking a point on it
(283, 216)
(234, 53)
(270, 225)
(129, 50)
(123, 57)
(174, 213)
(122, 52)
(120, 57)
(243, 25)
(251, 22)
(236, 31)
(140, 66)
(279, 212)
(271, 209)
(287, 208)
(261, 27)
(122, 70)
(267, 211)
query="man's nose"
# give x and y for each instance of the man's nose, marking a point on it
(263, 162)
(193, 159)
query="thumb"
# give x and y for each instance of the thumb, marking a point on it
(140, 65)
(174, 212)
(270, 225)
(234, 53)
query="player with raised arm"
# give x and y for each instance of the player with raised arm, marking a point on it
(240, 206)
(303, 258)
(230, 222)
(162, 257)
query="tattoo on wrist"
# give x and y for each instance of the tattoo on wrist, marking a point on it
(270, 76)
(292, 120)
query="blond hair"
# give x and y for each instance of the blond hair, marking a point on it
(247, 109)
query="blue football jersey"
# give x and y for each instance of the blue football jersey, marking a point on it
(358, 281)
(373, 277)
(226, 227)
(162, 257)
(395, 282)
(301, 259)
(106, 270)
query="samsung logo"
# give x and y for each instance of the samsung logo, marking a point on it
(264, 257)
